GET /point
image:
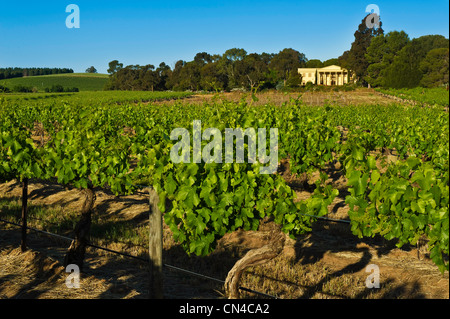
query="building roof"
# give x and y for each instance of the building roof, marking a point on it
(332, 67)
(329, 68)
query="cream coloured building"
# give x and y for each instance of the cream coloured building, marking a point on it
(329, 75)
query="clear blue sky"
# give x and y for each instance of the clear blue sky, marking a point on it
(34, 34)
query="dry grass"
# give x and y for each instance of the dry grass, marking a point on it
(359, 96)
(328, 263)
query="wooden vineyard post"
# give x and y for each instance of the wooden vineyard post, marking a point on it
(23, 243)
(155, 247)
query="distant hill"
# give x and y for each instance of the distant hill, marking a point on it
(82, 81)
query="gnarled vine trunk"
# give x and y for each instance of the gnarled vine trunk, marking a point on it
(255, 257)
(75, 253)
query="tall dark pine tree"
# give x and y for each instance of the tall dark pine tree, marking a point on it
(357, 61)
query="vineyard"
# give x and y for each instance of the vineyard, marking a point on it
(394, 159)
(82, 81)
(435, 96)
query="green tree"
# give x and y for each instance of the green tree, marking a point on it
(227, 65)
(287, 62)
(127, 79)
(173, 81)
(251, 71)
(235, 54)
(189, 77)
(343, 60)
(294, 80)
(314, 63)
(148, 78)
(381, 53)
(211, 79)
(91, 70)
(202, 58)
(435, 68)
(357, 61)
(334, 61)
(163, 72)
(114, 67)
(405, 71)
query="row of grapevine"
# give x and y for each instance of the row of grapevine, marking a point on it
(93, 143)
(405, 198)
(434, 96)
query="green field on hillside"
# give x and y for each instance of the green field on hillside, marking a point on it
(82, 81)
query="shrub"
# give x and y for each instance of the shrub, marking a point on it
(23, 89)
(4, 89)
(59, 89)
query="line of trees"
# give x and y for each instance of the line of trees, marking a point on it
(423, 61)
(394, 60)
(376, 59)
(9, 73)
(30, 89)
(235, 69)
